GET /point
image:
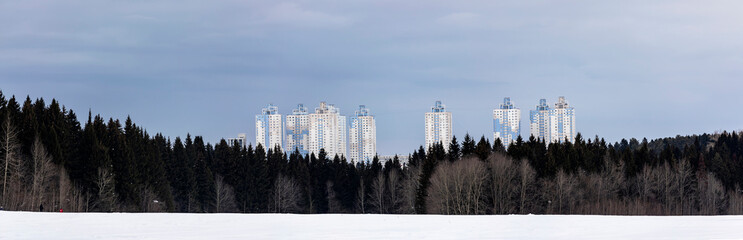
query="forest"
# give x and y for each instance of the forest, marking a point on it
(48, 158)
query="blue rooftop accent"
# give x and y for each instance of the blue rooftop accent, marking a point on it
(507, 103)
(543, 105)
(270, 110)
(438, 107)
(300, 110)
(362, 111)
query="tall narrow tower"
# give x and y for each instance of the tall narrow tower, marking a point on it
(297, 130)
(438, 126)
(506, 122)
(362, 135)
(562, 119)
(269, 129)
(327, 131)
(540, 121)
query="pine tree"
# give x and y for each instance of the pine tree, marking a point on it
(498, 146)
(436, 154)
(468, 146)
(483, 149)
(454, 150)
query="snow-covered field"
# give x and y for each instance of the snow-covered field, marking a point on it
(27, 225)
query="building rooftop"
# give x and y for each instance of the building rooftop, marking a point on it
(507, 104)
(270, 110)
(543, 105)
(438, 107)
(362, 111)
(561, 103)
(300, 110)
(326, 108)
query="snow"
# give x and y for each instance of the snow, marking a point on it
(31, 225)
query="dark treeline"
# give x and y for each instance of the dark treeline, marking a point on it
(50, 159)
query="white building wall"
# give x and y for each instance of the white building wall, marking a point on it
(506, 122)
(275, 131)
(261, 129)
(553, 125)
(240, 140)
(540, 122)
(269, 128)
(327, 131)
(362, 137)
(340, 141)
(563, 123)
(297, 131)
(438, 126)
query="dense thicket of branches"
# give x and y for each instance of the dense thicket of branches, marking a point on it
(49, 158)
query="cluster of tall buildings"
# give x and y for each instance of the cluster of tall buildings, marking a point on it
(550, 124)
(325, 128)
(553, 124)
(356, 137)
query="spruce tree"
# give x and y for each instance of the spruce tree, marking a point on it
(498, 146)
(483, 148)
(454, 150)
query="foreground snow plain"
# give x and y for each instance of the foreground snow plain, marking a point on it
(31, 225)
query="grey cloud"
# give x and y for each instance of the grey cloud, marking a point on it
(632, 69)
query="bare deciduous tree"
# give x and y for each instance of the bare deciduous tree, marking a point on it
(684, 183)
(527, 186)
(712, 199)
(225, 195)
(503, 183)
(645, 183)
(106, 193)
(361, 197)
(736, 201)
(395, 191)
(285, 195)
(457, 188)
(378, 189)
(11, 164)
(42, 173)
(559, 191)
(409, 185)
(65, 188)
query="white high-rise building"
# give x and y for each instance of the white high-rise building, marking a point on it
(562, 119)
(297, 131)
(327, 131)
(438, 126)
(540, 121)
(506, 122)
(553, 125)
(269, 128)
(362, 136)
(239, 140)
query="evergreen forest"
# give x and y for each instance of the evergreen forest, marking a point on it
(48, 158)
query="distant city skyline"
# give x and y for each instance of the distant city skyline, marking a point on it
(356, 137)
(638, 69)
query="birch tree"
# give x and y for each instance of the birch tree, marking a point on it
(11, 162)
(285, 195)
(106, 199)
(377, 193)
(42, 173)
(224, 194)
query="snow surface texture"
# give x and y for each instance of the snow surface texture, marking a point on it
(28, 225)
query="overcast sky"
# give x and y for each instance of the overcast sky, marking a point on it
(630, 68)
